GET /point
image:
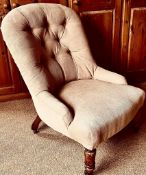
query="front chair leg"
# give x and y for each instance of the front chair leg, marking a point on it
(35, 124)
(89, 161)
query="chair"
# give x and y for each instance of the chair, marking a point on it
(71, 94)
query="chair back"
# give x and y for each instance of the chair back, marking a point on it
(48, 45)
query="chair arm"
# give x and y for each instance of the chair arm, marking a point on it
(52, 111)
(106, 75)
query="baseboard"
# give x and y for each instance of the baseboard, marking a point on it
(14, 96)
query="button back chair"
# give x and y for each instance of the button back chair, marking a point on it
(71, 94)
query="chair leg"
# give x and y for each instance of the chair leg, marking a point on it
(89, 161)
(35, 124)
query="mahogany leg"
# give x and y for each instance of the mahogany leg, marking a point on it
(89, 161)
(35, 124)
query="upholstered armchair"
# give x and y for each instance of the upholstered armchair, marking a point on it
(71, 94)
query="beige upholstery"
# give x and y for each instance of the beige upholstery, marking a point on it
(70, 92)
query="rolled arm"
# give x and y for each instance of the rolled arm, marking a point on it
(106, 75)
(53, 112)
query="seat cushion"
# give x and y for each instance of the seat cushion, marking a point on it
(101, 109)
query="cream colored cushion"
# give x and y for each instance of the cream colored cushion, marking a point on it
(101, 109)
(49, 47)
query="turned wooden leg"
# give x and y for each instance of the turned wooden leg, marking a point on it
(35, 124)
(89, 161)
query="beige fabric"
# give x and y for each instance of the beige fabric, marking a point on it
(50, 49)
(101, 109)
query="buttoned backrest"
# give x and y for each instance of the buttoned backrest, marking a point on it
(48, 45)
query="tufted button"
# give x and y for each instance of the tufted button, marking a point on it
(27, 28)
(68, 51)
(45, 23)
(57, 39)
(64, 22)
